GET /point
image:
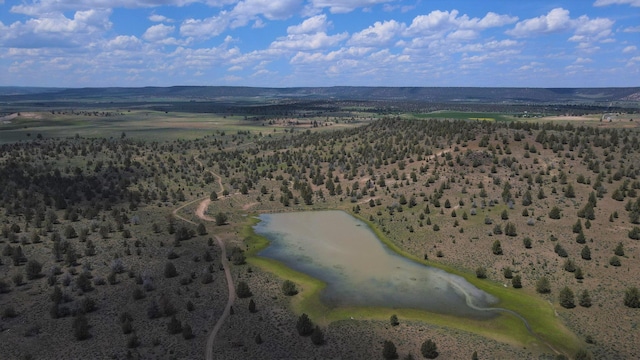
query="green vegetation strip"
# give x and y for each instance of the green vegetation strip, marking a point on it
(462, 115)
(505, 328)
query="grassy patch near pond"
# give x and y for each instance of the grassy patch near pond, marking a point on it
(505, 327)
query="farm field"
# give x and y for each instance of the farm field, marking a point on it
(112, 221)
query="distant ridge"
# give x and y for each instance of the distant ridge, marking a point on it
(427, 94)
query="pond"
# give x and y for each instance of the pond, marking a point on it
(360, 270)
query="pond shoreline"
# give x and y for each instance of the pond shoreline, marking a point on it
(548, 334)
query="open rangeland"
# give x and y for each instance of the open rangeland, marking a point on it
(109, 241)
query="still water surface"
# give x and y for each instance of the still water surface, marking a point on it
(360, 270)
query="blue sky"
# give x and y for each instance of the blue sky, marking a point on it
(285, 43)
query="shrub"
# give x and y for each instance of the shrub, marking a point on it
(481, 272)
(289, 288)
(206, 278)
(126, 326)
(187, 332)
(9, 312)
(138, 293)
(133, 341)
(614, 261)
(242, 290)
(543, 286)
(174, 326)
(170, 270)
(33, 269)
(632, 297)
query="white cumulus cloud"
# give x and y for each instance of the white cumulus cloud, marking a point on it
(159, 18)
(555, 21)
(158, 32)
(307, 41)
(379, 34)
(313, 24)
(345, 6)
(635, 3)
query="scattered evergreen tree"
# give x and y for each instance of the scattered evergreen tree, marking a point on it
(304, 326)
(252, 306)
(429, 349)
(584, 299)
(586, 253)
(81, 327)
(202, 230)
(481, 272)
(543, 286)
(221, 218)
(619, 250)
(133, 341)
(289, 288)
(510, 229)
(554, 213)
(527, 242)
(507, 272)
(516, 282)
(33, 269)
(393, 320)
(170, 270)
(496, 248)
(317, 336)
(569, 265)
(242, 290)
(126, 326)
(566, 298)
(582, 355)
(389, 350)
(577, 227)
(258, 339)
(174, 326)
(187, 332)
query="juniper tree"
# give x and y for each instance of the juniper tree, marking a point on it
(566, 298)
(429, 349)
(543, 286)
(584, 299)
(304, 326)
(389, 350)
(516, 282)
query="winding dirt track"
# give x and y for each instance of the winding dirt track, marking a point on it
(227, 309)
(200, 213)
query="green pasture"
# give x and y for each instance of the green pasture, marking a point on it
(551, 334)
(462, 115)
(136, 124)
